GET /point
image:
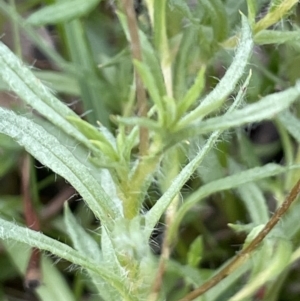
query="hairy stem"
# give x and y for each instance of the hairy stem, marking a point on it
(172, 170)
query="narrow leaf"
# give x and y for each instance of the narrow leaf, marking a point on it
(153, 216)
(227, 84)
(291, 123)
(32, 238)
(58, 81)
(250, 175)
(194, 254)
(277, 263)
(193, 93)
(82, 241)
(95, 136)
(60, 12)
(274, 15)
(22, 81)
(50, 152)
(219, 21)
(275, 37)
(94, 89)
(88, 247)
(252, 197)
(266, 108)
(252, 9)
(149, 82)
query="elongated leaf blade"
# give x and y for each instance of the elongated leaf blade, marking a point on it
(252, 197)
(82, 241)
(9, 230)
(50, 152)
(227, 84)
(159, 208)
(60, 12)
(267, 108)
(275, 37)
(291, 123)
(22, 81)
(233, 181)
(88, 247)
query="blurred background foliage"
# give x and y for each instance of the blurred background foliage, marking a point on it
(87, 63)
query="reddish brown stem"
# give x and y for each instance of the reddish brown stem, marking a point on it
(137, 55)
(33, 274)
(57, 203)
(244, 254)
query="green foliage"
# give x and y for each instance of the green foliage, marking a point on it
(61, 12)
(163, 161)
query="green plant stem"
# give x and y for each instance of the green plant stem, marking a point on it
(137, 55)
(134, 188)
(241, 257)
(172, 170)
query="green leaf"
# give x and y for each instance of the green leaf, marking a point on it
(252, 234)
(250, 175)
(82, 241)
(22, 81)
(252, 197)
(181, 62)
(184, 9)
(190, 274)
(54, 286)
(266, 108)
(275, 37)
(252, 9)
(159, 26)
(150, 83)
(277, 263)
(195, 252)
(247, 150)
(93, 88)
(9, 160)
(149, 55)
(193, 93)
(58, 82)
(154, 214)
(227, 84)
(110, 262)
(49, 151)
(88, 247)
(291, 123)
(10, 231)
(219, 20)
(275, 13)
(96, 137)
(37, 39)
(60, 12)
